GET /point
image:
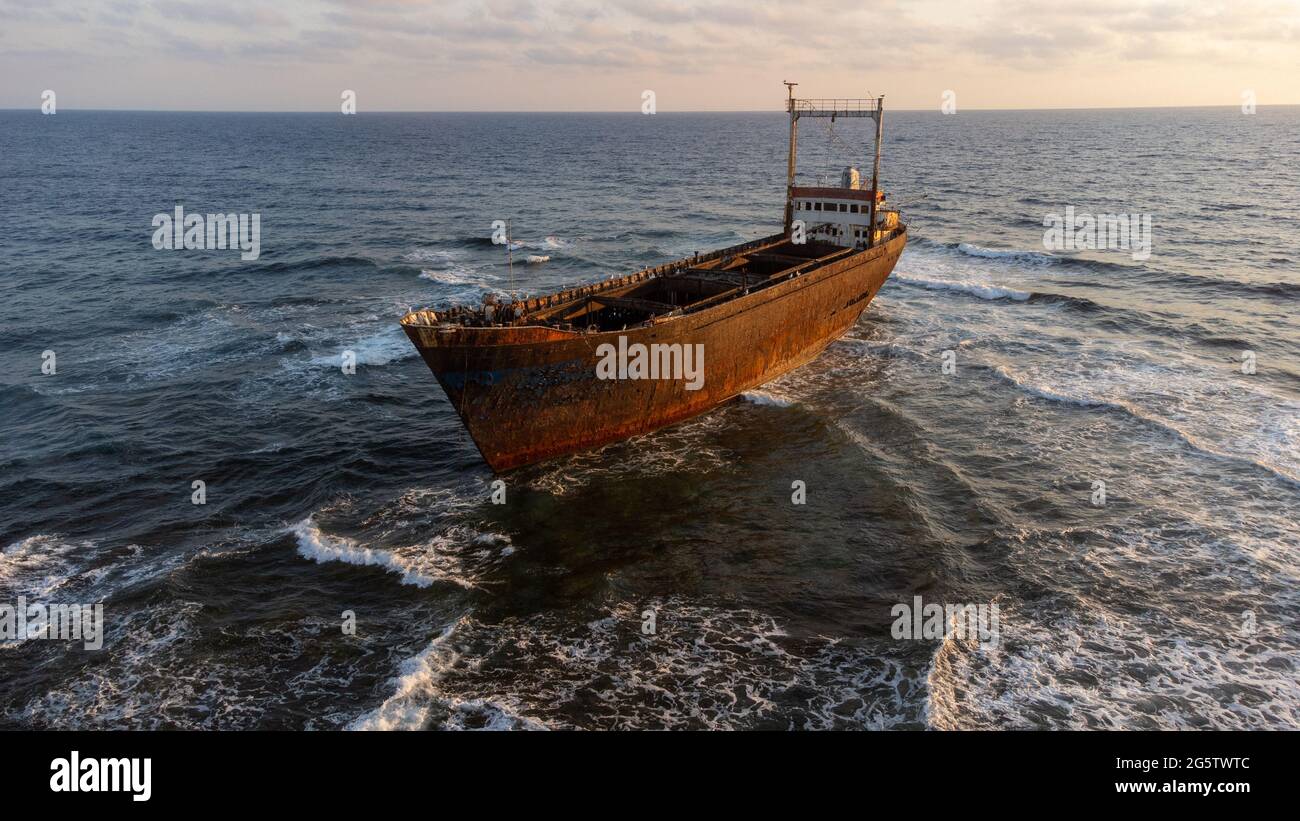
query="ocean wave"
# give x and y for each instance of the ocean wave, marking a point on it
(436, 256)
(39, 566)
(48, 567)
(1018, 258)
(378, 349)
(458, 554)
(516, 243)
(320, 548)
(538, 259)
(1123, 318)
(313, 263)
(1058, 666)
(976, 289)
(429, 506)
(477, 241)
(461, 276)
(767, 398)
(416, 700)
(1179, 278)
(226, 334)
(1078, 303)
(220, 334)
(1034, 257)
(1195, 442)
(450, 268)
(1233, 286)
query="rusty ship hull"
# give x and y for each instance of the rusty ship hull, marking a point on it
(528, 389)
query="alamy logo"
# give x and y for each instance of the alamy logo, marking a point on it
(194, 232)
(1103, 232)
(69, 622)
(655, 361)
(974, 622)
(75, 774)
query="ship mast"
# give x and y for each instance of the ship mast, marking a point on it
(873, 107)
(875, 169)
(789, 173)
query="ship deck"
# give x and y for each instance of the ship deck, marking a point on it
(651, 295)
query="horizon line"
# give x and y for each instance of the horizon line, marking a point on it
(935, 109)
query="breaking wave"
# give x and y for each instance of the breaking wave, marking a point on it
(976, 289)
(1033, 257)
(377, 349)
(320, 548)
(460, 555)
(39, 566)
(417, 701)
(446, 545)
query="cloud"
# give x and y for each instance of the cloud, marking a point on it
(851, 45)
(1022, 33)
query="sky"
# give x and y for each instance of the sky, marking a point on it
(601, 55)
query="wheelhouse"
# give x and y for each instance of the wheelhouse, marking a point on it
(842, 216)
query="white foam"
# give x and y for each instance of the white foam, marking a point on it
(142, 356)
(1058, 667)
(538, 259)
(408, 707)
(739, 664)
(441, 256)
(417, 697)
(460, 276)
(38, 566)
(321, 548)
(381, 348)
(766, 398)
(443, 547)
(1054, 395)
(1035, 257)
(451, 268)
(148, 677)
(133, 685)
(977, 289)
(1195, 415)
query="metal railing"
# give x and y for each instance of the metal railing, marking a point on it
(836, 106)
